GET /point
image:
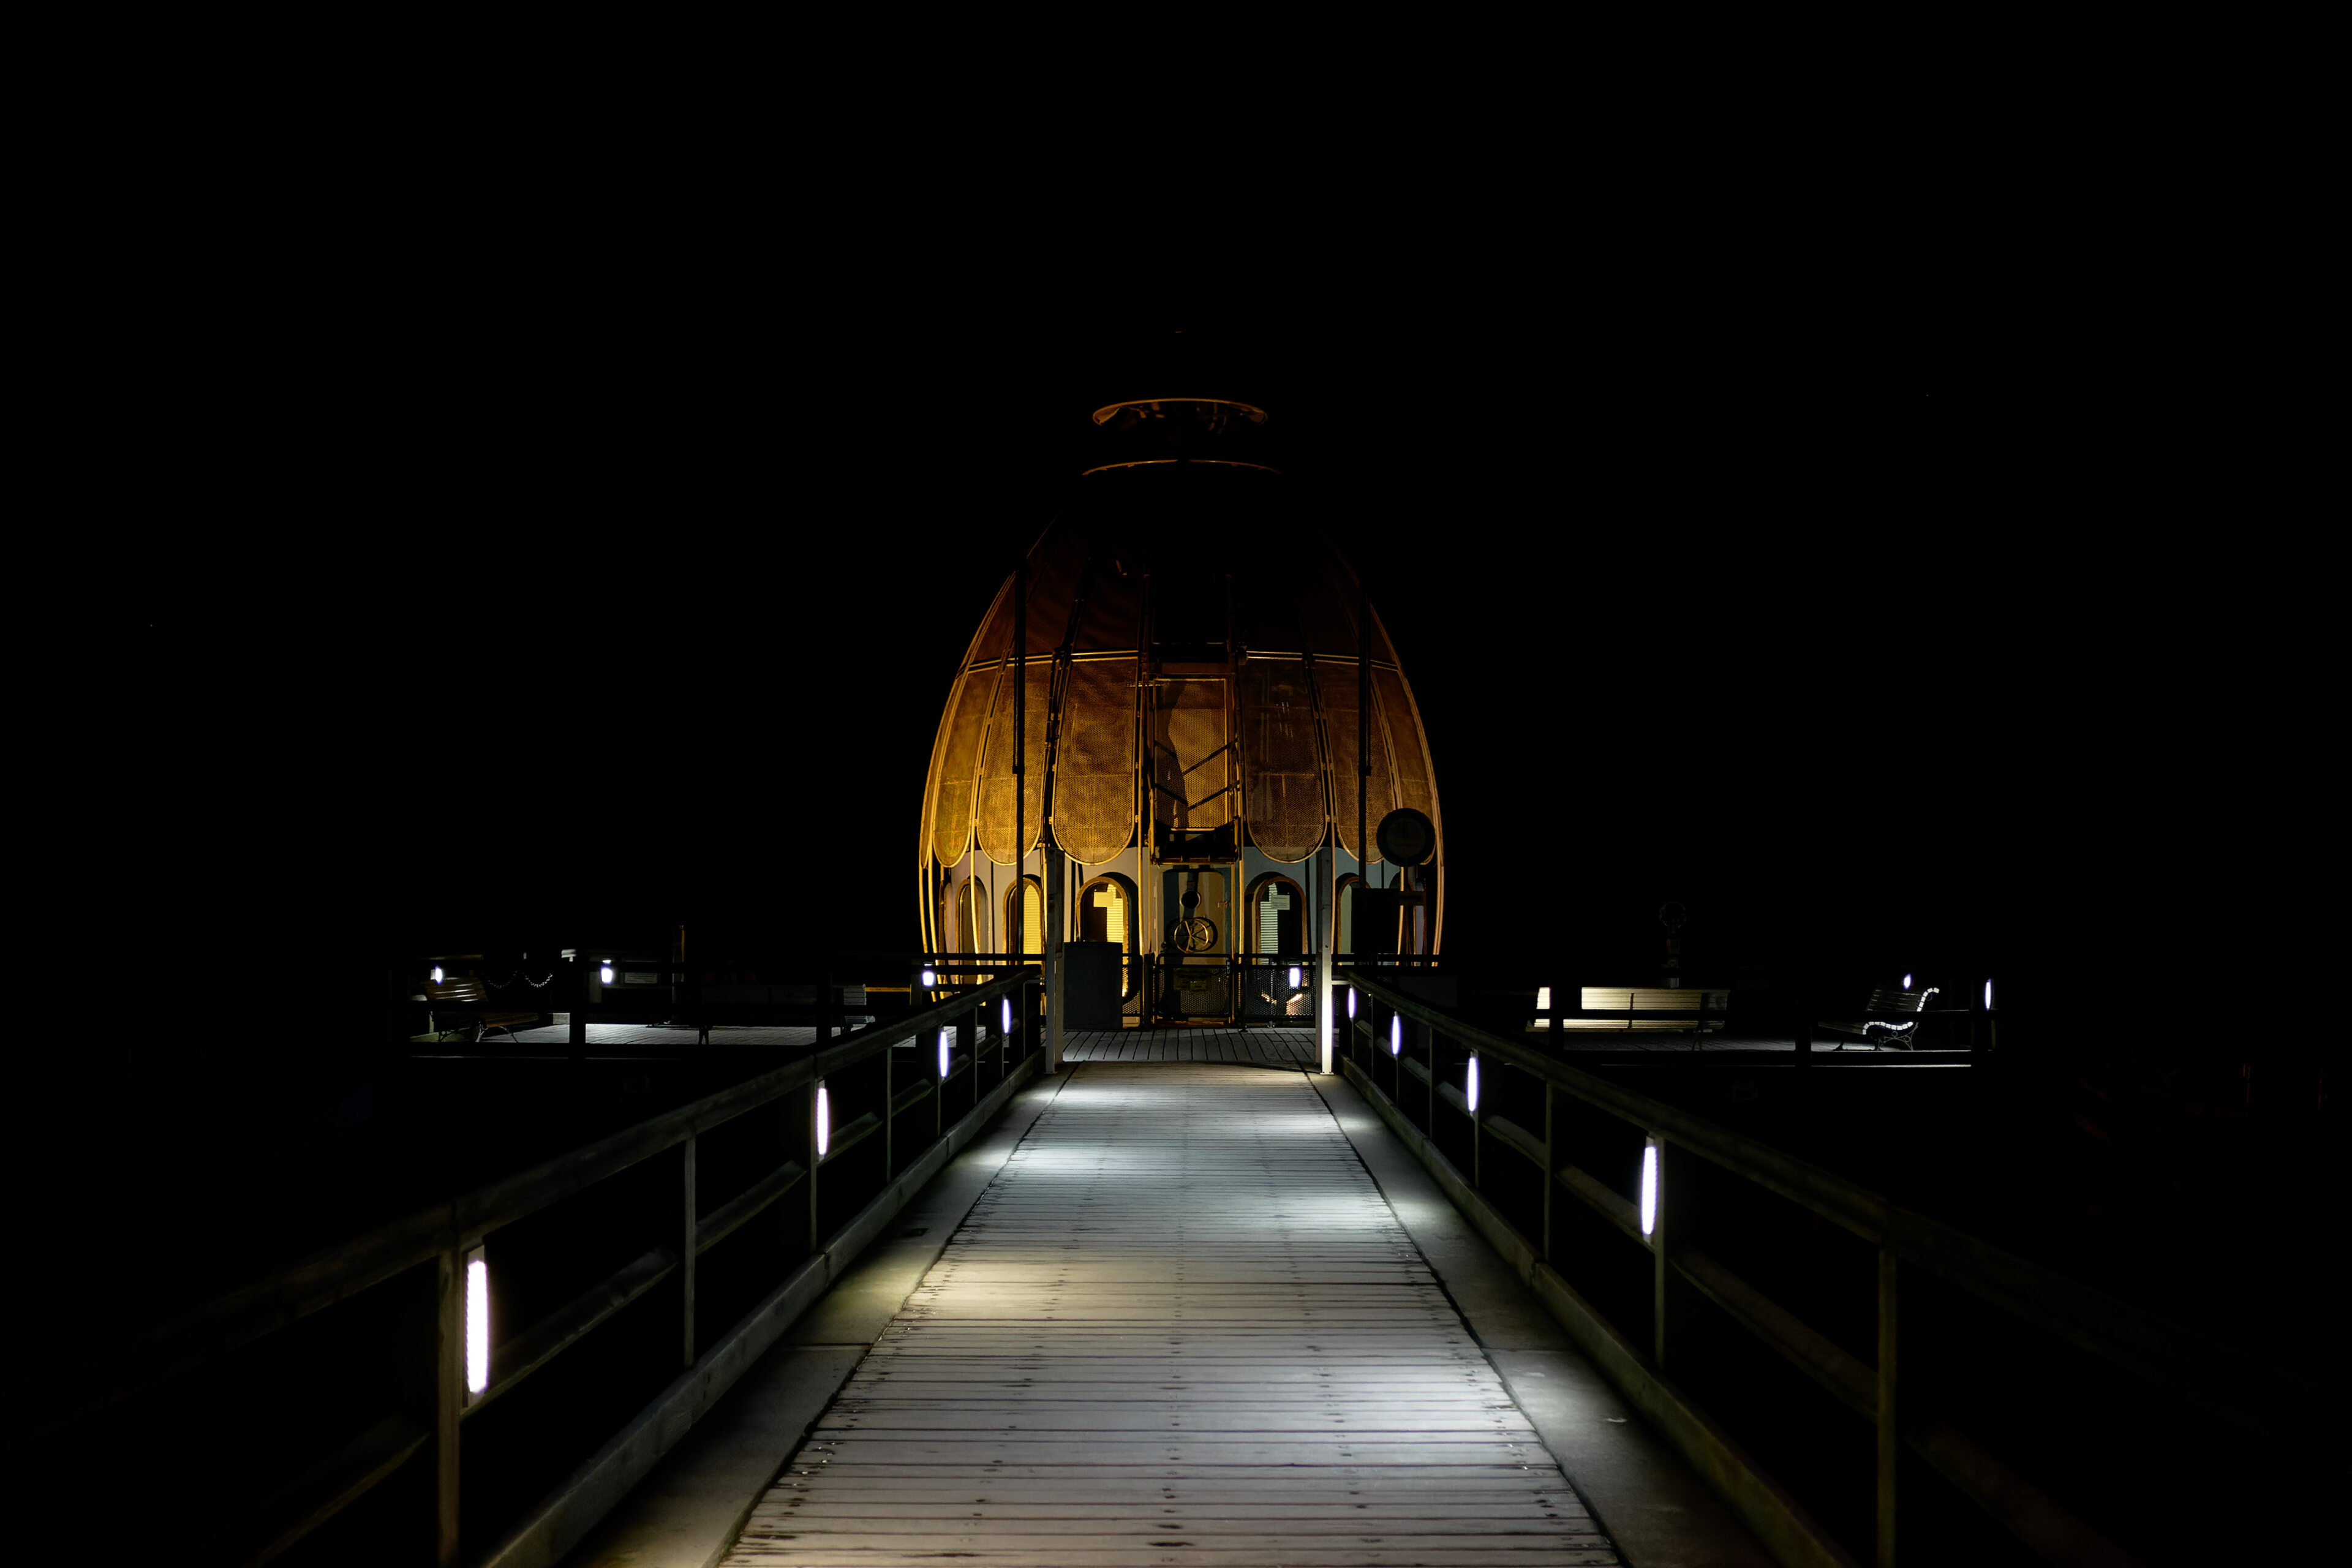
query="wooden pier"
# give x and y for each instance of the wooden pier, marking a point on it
(1181, 1326)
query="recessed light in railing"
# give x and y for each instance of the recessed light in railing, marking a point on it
(1907, 982)
(1543, 1001)
(1470, 1085)
(606, 975)
(478, 1322)
(437, 974)
(1650, 1187)
(1006, 1029)
(1351, 1000)
(1988, 995)
(943, 1053)
(1293, 978)
(929, 979)
(1396, 1034)
(824, 1121)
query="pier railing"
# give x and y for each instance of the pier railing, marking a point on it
(1525, 1143)
(829, 991)
(696, 1237)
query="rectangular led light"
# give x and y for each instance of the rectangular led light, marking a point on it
(943, 1053)
(1471, 1086)
(1650, 1187)
(478, 1322)
(824, 1121)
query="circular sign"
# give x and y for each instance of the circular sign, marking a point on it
(1196, 934)
(1406, 838)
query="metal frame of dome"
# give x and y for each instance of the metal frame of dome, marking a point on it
(1191, 680)
(1254, 415)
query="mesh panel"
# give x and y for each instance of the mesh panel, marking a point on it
(1032, 918)
(1326, 606)
(1113, 617)
(1265, 609)
(1268, 997)
(1188, 727)
(1053, 569)
(1414, 785)
(956, 751)
(1283, 777)
(996, 628)
(970, 934)
(996, 771)
(1093, 777)
(1337, 684)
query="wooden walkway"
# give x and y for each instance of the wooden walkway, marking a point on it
(1181, 1326)
(1259, 1047)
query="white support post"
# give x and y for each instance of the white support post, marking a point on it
(1056, 902)
(1327, 943)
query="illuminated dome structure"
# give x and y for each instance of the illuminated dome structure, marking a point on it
(1152, 742)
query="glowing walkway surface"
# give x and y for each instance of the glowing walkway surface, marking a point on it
(1264, 1048)
(1181, 1326)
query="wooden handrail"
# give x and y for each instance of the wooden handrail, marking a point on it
(2224, 1381)
(106, 1374)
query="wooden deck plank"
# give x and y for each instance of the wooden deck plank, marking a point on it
(1182, 1325)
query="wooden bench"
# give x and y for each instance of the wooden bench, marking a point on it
(464, 996)
(1627, 1004)
(1881, 1031)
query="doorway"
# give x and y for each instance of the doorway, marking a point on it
(1197, 944)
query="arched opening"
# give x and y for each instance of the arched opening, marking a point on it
(970, 934)
(1277, 916)
(1344, 896)
(1106, 912)
(1025, 917)
(1277, 927)
(1197, 942)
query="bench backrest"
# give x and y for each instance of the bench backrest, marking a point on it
(1653, 999)
(1883, 1000)
(458, 990)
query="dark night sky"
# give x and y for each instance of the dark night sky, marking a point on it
(593, 635)
(766, 603)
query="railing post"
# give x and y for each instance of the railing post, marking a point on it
(939, 1083)
(577, 1031)
(1551, 1166)
(1653, 1158)
(1890, 1435)
(889, 1115)
(814, 1236)
(1677, 1319)
(449, 1401)
(1429, 1059)
(967, 1041)
(1024, 1008)
(1801, 993)
(1477, 1124)
(1056, 874)
(688, 1251)
(1327, 1025)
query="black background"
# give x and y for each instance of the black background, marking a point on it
(1854, 620)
